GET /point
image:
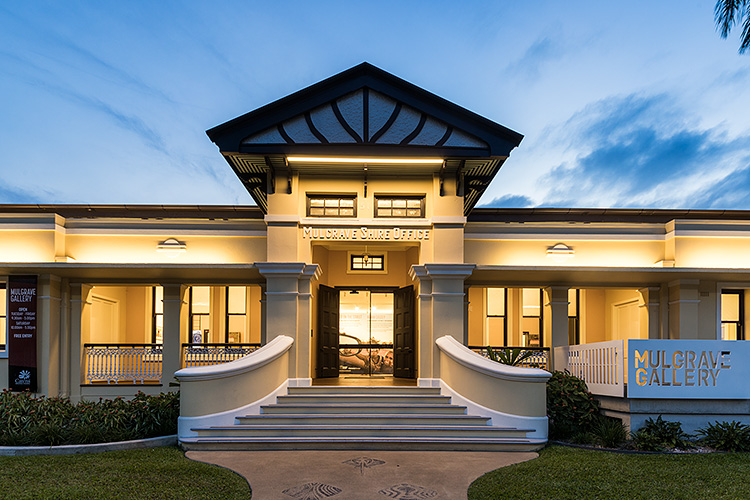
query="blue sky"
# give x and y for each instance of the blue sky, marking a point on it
(622, 104)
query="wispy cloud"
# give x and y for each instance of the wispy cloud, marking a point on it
(13, 194)
(528, 67)
(641, 151)
(510, 201)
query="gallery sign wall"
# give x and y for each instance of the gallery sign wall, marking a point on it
(703, 369)
(22, 333)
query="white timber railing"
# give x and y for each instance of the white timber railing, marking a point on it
(214, 354)
(122, 363)
(601, 365)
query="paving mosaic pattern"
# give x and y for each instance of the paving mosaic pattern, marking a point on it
(364, 463)
(312, 491)
(353, 475)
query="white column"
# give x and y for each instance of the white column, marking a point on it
(684, 299)
(175, 312)
(287, 313)
(556, 320)
(423, 327)
(649, 312)
(80, 326)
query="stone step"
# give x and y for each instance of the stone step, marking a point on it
(358, 443)
(356, 419)
(332, 389)
(363, 431)
(369, 408)
(401, 399)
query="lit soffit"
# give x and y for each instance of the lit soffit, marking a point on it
(365, 160)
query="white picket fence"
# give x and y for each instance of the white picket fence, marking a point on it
(601, 365)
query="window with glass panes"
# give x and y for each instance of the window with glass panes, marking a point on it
(366, 262)
(331, 206)
(497, 333)
(157, 317)
(732, 314)
(574, 333)
(236, 320)
(392, 206)
(531, 322)
(200, 314)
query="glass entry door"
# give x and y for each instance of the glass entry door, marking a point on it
(365, 332)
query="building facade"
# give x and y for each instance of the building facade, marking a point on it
(365, 248)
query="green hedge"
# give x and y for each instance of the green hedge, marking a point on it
(26, 420)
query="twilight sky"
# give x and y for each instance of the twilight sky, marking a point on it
(622, 104)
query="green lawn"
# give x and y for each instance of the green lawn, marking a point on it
(562, 472)
(162, 473)
(558, 473)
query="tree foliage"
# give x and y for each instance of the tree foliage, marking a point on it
(729, 13)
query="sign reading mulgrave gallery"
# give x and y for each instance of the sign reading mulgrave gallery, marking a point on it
(22, 322)
(366, 233)
(703, 369)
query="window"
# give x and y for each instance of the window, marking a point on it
(574, 331)
(236, 320)
(331, 206)
(402, 206)
(732, 314)
(366, 262)
(157, 317)
(3, 314)
(200, 314)
(497, 332)
(531, 323)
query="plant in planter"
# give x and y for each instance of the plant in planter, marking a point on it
(661, 435)
(509, 356)
(726, 436)
(571, 408)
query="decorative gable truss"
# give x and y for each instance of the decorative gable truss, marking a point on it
(366, 117)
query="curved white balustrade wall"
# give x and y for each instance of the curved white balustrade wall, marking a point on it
(511, 395)
(215, 395)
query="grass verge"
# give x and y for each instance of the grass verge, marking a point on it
(570, 473)
(162, 473)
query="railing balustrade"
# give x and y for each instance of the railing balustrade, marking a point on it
(540, 358)
(214, 354)
(122, 363)
(600, 364)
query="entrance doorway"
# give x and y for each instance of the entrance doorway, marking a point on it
(366, 332)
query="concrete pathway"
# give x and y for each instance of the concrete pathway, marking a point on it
(355, 475)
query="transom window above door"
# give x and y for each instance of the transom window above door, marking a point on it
(331, 206)
(399, 206)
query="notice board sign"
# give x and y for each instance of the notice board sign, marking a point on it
(22, 322)
(689, 369)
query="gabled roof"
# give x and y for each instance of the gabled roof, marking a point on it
(364, 111)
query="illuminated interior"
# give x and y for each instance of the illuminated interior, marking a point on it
(365, 332)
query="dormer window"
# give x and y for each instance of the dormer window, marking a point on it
(331, 206)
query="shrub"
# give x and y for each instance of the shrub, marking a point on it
(29, 421)
(570, 406)
(610, 432)
(509, 356)
(726, 436)
(660, 435)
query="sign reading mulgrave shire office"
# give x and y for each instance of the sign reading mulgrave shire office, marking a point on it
(703, 369)
(365, 233)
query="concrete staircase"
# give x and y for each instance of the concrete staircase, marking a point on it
(363, 418)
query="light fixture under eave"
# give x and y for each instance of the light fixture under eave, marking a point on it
(560, 252)
(171, 247)
(372, 160)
